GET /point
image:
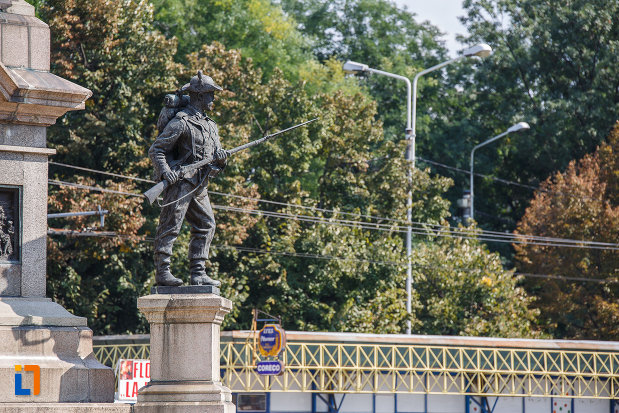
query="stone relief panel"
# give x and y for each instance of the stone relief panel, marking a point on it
(10, 225)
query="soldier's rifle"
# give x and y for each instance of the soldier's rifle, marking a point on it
(153, 193)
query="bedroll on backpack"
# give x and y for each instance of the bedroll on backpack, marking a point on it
(172, 104)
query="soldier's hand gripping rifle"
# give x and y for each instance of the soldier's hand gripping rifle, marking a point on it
(153, 193)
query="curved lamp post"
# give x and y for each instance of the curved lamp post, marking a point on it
(480, 50)
(520, 126)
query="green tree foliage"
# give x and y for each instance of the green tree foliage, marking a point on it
(112, 49)
(258, 28)
(379, 34)
(554, 66)
(333, 275)
(464, 290)
(580, 203)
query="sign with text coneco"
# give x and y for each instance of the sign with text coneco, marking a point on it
(272, 341)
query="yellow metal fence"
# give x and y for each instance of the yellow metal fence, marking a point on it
(390, 368)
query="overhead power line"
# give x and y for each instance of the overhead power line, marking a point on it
(386, 219)
(417, 229)
(504, 238)
(81, 168)
(507, 182)
(324, 257)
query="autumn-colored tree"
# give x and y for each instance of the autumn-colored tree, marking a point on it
(98, 277)
(580, 203)
(111, 48)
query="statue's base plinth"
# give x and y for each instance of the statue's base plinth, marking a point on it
(185, 289)
(185, 396)
(184, 353)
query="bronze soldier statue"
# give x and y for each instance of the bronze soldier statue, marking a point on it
(189, 137)
(185, 155)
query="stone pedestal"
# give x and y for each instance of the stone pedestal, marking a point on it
(37, 331)
(46, 358)
(184, 354)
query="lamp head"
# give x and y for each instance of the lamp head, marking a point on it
(520, 126)
(354, 67)
(481, 50)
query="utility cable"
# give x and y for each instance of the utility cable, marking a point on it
(423, 225)
(443, 232)
(93, 188)
(327, 257)
(81, 168)
(507, 182)
(422, 231)
(456, 230)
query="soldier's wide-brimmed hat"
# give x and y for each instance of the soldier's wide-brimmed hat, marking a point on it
(201, 84)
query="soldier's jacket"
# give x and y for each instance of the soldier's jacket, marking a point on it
(189, 137)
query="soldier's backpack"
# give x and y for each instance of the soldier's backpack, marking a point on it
(172, 104)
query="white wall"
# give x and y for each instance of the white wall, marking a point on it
(445, 403)
(385, 403)
(414, 403)
(594, 406)
(357, 403)
(410, 403)
(291, 402)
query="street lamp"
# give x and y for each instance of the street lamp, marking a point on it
(480, 50)
(520, 126)
(354, 68)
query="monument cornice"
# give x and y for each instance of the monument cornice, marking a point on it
(28, 150)
(36, 97)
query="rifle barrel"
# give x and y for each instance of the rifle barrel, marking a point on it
(259, 141)
(157, 189)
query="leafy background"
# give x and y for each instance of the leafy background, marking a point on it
(280, 63)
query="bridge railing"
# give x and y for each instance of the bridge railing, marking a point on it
(327, 367)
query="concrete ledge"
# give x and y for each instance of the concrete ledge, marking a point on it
(185, 289)
(36, 311)
(27, 149)
(65, 408)
(184, 308)
(184, 407)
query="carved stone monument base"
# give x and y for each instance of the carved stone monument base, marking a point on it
(184, 354)
(37, 331)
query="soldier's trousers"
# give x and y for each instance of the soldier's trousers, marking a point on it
(199, 213)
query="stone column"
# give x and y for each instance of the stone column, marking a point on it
(33, 329)
(184, 354)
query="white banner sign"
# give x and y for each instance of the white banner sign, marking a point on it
(132, 374)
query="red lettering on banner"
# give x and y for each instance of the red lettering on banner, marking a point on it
(129, 382)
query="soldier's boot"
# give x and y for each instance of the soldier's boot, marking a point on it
(163, 276)
(198, 274)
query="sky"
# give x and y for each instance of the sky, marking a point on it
(442, 14)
